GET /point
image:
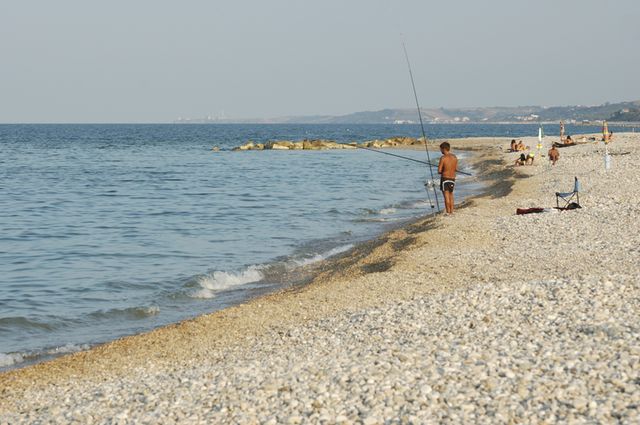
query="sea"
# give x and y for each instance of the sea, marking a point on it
(113, 230)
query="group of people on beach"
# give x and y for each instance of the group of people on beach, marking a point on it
(448, 164)
(524, 158)
(518, 146)
(528, 158)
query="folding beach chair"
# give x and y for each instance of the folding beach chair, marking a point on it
(567, 197)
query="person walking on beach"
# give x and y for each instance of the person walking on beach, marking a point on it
(447, 168)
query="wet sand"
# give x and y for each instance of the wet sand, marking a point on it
(400, 309)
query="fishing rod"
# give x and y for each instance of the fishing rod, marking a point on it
(424, 135)
(407, 158)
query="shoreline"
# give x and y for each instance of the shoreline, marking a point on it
(330, 267)
(412, 297)
(298, 277)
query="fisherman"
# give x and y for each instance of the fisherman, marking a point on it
(554, 155)
(447, 168)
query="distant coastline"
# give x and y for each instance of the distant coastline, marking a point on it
(621, 113)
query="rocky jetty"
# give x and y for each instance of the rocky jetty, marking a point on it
(322, 144)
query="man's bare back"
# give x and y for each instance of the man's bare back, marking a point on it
(448, 166)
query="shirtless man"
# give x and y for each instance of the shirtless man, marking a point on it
(447, 168)
(554, 155)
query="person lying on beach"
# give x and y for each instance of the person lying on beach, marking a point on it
(520, 146)
(568, 141)
(554, 155)
(514, 146)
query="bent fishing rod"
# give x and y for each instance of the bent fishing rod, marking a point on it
(407, 158)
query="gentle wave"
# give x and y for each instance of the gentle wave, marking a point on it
(210, 284)
(323, 256)
(129, 313)
(10, 359)
(375, 220)
(387, 211)
(23, 323)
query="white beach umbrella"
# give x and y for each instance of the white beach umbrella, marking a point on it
(540, 137)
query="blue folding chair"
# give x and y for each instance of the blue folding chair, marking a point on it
(568, 197)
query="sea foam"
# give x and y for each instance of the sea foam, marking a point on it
(210, 284)
(10, 359)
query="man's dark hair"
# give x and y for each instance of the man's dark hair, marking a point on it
(446, 146)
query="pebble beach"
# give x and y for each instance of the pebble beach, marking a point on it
(481, 317)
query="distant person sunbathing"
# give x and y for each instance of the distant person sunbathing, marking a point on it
(525, 159)
(521, 147)
(568, 141)
(514, 146)
(530, 158)
(554, 155)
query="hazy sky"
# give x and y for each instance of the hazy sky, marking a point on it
(153, 61)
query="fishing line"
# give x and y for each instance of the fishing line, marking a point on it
(407, 158)
(424, 135)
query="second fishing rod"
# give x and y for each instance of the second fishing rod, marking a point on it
(407, 158)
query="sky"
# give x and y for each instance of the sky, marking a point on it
(78, 61)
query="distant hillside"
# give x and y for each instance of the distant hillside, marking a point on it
(628, 115)
(610, 111)
(622, 111)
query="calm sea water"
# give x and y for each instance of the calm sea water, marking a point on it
(109, 230)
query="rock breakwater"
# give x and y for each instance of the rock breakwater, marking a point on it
(323, 144)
